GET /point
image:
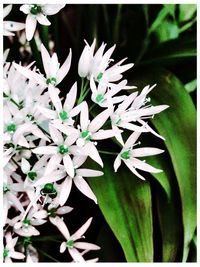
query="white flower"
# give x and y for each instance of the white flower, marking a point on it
(54, 73)
(105, 96)
(10, 26)
(37, 13)
(61, 149)
(80, 183)
(97, 64)
(9, 249)
(129, 156)
(90, 131)
(131, 113)
(62, 114)
(24, 224)
(71, 241)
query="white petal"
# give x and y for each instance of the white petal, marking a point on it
(64, 210)
(117, 163)
(69, 167)
(41, 214)
(150, 129)
(105, 134)
(80, 232)
(63, 247)
(132, 127)
(59, 223)
(53, 93)
(25, 166)
(16, 255)
(93, 85)
(53, 177)
(132, 169)
(25, 8)
(52, 164)
(45, 150)
(30, 26)
(76, 255)
(82, 186)
(45, 59)
(146, 151)
(88, 173)
(71, 139)
(85, 245)
(90, 150)
(65, 190)
(52, 9)
(132, 139)
(6, 10)
(84, 117)
(99, 120)
(126, 103)
(13, 26)
(42, 19)
(62, 72)
(144, 166)
(118, 136)
(55, 135)
(71, 97)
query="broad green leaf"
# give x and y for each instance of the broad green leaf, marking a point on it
(159, 19)
(178, 125)
(191, 86)
(186, 11)
(171, 52)
(171, 9)
(168, 30)
(125, 202)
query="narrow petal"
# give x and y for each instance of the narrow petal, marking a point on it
(105, 134)
(69, 167)
(82, 186)
(52, 164)
(50, 9)
(150, 129)
(45, 59)
(16, 255)
(99, 120)
(13, 26)
(144, 166)
(84, 117)
(118, 136)
(127, 102)
(133, 170)
(88, 173)
(42, 19)
(62, 72)
(45, 150)
(53, 93)
(6, 10)
(76, 255)
(63, 247)
(25, 166)
(55, 135)
(132, 127)
(51, 178)
(80, 232)
(93, 85)
(71, 98)
(41, 214)
(59, 223)
(30, 26)
(132, 139)
(85, 245)
(146, 151)
(25, 8)
(65, 190)
(90, 150)
(117, 163)
(64, 210)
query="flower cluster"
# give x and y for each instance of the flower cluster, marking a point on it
(48, 139)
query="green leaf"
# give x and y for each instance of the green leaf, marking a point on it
(167, 30)
(125, 202)
(191, 86)
(178, 125)
(171, 9)
(186, 11)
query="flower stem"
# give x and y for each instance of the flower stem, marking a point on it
(108, 152)
(36, 53)
(84, 90)
(47, 255)
(44, 35)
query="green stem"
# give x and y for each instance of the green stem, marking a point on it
(117, 23)
(93, 105)
(47, 255)
(84, 90)
(44, 35)
(36, 53)
(108, 152)
(13, 101)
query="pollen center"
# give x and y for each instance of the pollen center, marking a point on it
(36, 9)
(99, 76)
(63, 115)
(100, 98)
(5, 252)
(63, 149)
(125, 155)
(86, 135)
(51, 80)
(11, 128)
(32, 175)
(70, 243)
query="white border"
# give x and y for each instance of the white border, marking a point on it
(198, 122)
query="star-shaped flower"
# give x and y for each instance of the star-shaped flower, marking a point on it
(129, 156)
(38, 13)
(71, 243)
